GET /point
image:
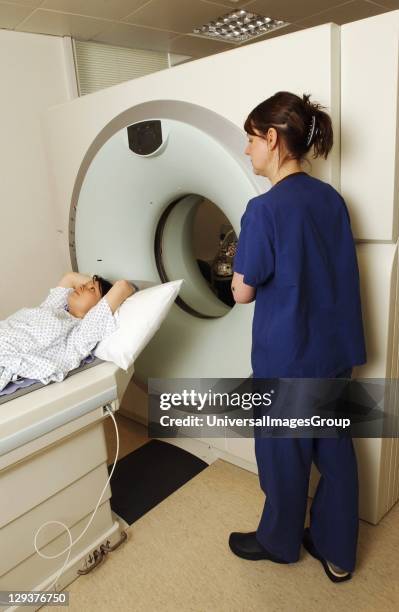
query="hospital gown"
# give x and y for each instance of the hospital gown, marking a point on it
(46, 342)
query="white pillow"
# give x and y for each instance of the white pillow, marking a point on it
(138, 318)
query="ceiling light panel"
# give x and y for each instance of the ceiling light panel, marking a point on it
(239, 26)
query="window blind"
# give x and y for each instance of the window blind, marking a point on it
(99, 65)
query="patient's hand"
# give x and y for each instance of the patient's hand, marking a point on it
(118, 293)
(72, 280)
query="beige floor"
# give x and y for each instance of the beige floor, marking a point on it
(177, 558)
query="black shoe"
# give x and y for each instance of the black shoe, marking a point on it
(312, 550)
(246, 546)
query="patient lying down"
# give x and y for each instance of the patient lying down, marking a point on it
(46, 342)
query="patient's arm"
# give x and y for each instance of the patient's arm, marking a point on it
(71, 280)
(118, 293)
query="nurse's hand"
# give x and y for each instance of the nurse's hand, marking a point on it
(242, 293)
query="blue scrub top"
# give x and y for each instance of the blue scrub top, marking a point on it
(296, 247)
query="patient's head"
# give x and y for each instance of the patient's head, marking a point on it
(84, 297)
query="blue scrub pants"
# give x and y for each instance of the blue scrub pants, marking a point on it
(284, 469)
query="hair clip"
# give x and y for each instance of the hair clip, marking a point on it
(311, 130)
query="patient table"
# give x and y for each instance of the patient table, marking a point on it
(53, 466)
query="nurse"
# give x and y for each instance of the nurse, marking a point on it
(296, 258)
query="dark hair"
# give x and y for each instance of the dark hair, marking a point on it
(292, 118)
(105, 285)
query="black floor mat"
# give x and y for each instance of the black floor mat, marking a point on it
(149, 474)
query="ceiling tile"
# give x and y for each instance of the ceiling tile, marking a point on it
(351, 11)
(230, 5)
(125, 35)
(197, 47)
(62, 24)
(290, 10)
(175, 15)
(32, 3)
(11, 15)
(102, 9)
(391, 4)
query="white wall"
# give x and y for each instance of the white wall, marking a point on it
(34, 74)
(175, 59)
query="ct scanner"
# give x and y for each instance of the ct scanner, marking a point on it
(129, 166)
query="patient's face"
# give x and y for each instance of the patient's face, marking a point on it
(84, 298)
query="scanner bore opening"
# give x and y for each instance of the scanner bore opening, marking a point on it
(212, 241)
